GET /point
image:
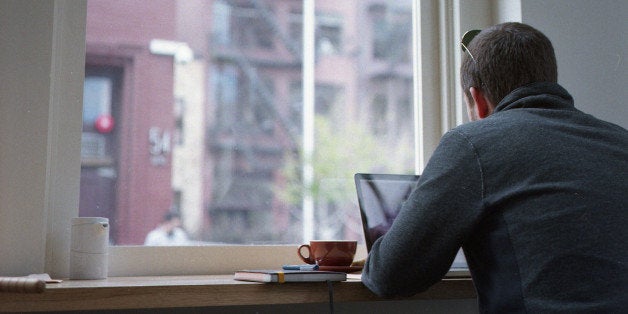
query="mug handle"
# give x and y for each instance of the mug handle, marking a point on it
(309, 258)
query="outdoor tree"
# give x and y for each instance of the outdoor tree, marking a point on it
(340, 151)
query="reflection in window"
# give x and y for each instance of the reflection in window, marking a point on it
(235, 111)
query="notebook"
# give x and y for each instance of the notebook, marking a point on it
(380, 197)
(281, 276)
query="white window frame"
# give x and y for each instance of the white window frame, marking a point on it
(56, 188)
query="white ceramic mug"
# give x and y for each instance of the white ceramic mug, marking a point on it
(89, 244)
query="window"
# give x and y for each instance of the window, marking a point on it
(390, 104)
(328, 32)
(242, 24)
(238, 180)
(379, 110)
(225, 82)
(327, 97)
(64, 153)
(99, 142)
(391, 32)
(179, 113)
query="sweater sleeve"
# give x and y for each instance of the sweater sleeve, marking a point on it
(432, 225)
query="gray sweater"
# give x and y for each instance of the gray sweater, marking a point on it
(536, 195)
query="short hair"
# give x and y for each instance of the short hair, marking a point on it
(505, 57)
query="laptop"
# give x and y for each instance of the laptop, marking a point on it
(380, 197)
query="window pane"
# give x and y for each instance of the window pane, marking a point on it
(196, 108)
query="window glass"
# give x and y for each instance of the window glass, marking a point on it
(193, 111)
(97, 93)
(390, 31)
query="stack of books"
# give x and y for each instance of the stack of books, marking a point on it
(281, 276)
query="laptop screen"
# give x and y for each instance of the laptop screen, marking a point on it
(380, 197)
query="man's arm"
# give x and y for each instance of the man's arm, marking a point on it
(441, 212)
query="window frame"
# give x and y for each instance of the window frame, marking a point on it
(438, 26)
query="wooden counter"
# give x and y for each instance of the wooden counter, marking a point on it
(201, 291)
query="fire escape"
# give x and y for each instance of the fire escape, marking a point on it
(252, 144)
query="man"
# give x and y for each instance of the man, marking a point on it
(169, 232)
(533, 190)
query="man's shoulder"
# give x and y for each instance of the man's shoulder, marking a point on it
(480, 128)
(491, 131)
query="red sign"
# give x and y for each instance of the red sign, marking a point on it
(104, 123)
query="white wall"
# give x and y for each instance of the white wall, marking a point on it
(41, 79)
(591, 45)
(23, 129)
(506, 11)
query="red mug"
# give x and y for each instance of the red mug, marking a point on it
(329, 253)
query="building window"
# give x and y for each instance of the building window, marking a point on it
(379, 113)
(391, 29)
(241, 23)
(100, 142)
(179, 113)
(327, 97)
(225, 82)
(328, 34)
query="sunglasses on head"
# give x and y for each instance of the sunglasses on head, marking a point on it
(466, 40)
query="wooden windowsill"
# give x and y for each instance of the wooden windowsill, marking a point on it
(201, 291)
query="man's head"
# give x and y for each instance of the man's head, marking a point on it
(505, 57)
(172, 220)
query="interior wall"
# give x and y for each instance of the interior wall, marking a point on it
(506, 10)
(25, 56)
(42, 61)
(590, 42)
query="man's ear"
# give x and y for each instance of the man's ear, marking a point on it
(484, 107)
